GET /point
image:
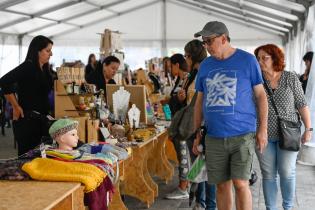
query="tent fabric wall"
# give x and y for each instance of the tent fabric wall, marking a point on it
(310, 46)
(9, 53)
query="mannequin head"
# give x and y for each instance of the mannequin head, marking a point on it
(65, 133)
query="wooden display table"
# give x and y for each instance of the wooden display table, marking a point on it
(148, 158)
(117, 203)
(36, 195)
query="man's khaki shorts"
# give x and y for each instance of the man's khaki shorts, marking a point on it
(229, 158)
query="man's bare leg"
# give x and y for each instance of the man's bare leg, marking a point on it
(224, 195)
(243, 195)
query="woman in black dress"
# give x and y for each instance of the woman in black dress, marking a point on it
(31, 82)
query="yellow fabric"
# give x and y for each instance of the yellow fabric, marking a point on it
(46, 169)
(60, 155)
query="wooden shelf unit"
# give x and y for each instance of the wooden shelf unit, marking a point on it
(65, 107)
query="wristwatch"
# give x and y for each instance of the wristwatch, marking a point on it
(200, 130)
(308, 129)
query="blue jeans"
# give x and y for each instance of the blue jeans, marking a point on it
(206, 195)
(276, 161)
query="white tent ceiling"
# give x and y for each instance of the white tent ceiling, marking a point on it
(150, 27)
(147, 20)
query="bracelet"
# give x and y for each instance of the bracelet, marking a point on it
(309, 129)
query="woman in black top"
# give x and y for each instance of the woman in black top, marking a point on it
(33, 83)
(178, 68)
(104, 75)
(91, 66)
(307, 58)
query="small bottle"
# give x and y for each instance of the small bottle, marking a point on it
(167, 112)
(155, 109)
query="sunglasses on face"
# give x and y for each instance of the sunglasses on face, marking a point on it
(209, 41)
(263, 58)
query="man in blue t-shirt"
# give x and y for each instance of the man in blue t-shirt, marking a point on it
(229, 85)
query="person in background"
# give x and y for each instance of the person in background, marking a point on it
(104, 76)
(178, 67)
(91, 66)
(33, 82)
(288, 97)
(195, 53)
(230, 95)
(127, 75)
(178, 70)
(307, 58)
(155, 79)
(8, 114)
(167, 71)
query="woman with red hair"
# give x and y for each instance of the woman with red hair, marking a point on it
(288, 96)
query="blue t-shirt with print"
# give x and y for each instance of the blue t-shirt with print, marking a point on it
(228, 99)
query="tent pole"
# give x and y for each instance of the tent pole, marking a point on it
(163, 42)
(20, 40)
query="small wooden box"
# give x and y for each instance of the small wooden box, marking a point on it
(82, 127)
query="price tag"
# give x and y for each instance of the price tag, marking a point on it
(42, 150)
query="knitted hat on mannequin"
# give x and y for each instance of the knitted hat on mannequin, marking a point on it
(61, 127)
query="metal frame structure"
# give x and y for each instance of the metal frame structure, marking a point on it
(279, 17)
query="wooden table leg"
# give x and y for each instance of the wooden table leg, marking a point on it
(117, 203)
(158, 161)
(136, 182)
(146, 173)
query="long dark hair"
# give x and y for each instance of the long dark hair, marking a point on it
(196, 51)
(90, 58)
(108, 60)
(37, 44)
(166, 70)
(179, 58)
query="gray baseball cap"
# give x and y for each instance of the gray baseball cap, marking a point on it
(213, 28)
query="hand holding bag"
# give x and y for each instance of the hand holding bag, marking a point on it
(290, 132)
(198, 171)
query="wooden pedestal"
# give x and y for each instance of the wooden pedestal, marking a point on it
(148, 159)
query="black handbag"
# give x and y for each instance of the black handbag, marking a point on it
(182, 124)
(290, 132)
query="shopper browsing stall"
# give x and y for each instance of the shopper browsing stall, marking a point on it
(91, 66)
(285, 99)
(33, 85)
(104, 75)
(230, 99)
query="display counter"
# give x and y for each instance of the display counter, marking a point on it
(146, 160)
(36, 195)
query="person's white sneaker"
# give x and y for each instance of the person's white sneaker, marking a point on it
(198, 207)
(177, 194)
